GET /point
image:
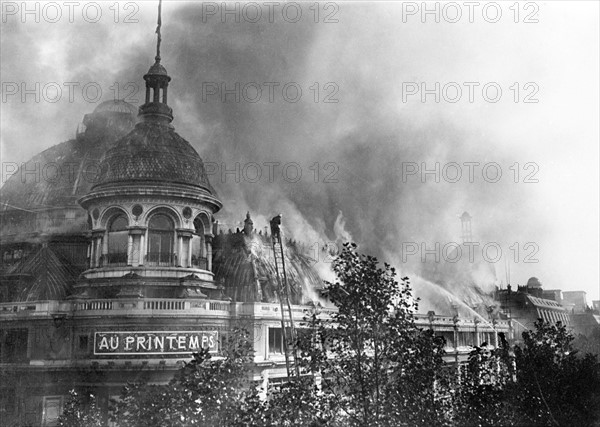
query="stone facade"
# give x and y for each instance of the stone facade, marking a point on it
(117, 271)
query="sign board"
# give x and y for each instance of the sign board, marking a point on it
(154, 342)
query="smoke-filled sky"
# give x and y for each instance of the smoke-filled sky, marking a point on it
(352, 153)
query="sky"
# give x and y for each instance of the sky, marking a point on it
(377, 96)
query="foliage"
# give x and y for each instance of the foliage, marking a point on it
(81, 410)
(482, 397)
(545, 383)
(368, 364)
(556, 386)
(589, 343)
(379, 369)
(294, 403)
(204, 392)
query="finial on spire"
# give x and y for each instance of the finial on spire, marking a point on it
(157, 81)
(158, 38)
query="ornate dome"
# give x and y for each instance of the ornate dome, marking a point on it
(158, 68)
(153, 152)
(116, 106)
(66, 171)
(534, 282)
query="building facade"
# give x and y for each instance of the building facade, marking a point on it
(115, 270)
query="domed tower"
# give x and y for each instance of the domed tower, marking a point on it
(151, 210)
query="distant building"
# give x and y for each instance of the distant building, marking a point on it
(585, 323)
(575, 301)
(553, 294)
(527, 304)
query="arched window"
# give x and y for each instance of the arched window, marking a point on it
(117, 240)
(161, 234)
(198, 246)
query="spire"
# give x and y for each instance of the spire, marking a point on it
(158, 38)
(157, 80)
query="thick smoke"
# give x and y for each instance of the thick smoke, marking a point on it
(362, 141)
(358, 145)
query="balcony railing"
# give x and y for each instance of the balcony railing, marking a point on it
(164, 305)
(152, 259)
(161, 259)
(95, 305)
(118, 259)
(201, 263)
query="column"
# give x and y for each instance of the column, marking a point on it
(184, 255)
(189, 254)
(455, 320)
(98, 252)
(104, 245)
(180, 251)
(98, 247)
(142, 248)
(477, 341)
(129, 249)
(208, 238)
(135, 251)
(89, 253)
(93, 253)
(184, 237)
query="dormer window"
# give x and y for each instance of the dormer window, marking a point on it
(117, 240)
(161, 237)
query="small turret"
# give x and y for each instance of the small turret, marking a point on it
(157, 80)
(465, 220)
(248, 225)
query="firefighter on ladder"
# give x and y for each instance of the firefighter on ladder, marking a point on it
(283, 294)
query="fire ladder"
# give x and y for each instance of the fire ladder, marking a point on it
(288, 333)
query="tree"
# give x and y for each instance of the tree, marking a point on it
(556, 385)
(589, 343)
(204, 392)
(545, 383)
(378, 368)
(368, 364)
(295, 403)
(481, 396)
(81, 410)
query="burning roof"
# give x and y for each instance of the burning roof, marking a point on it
(245, 264)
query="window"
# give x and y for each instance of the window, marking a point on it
(7, 402)
(275, 341)
(83, 343)
(161, 234)
(198, 246)
(13, 345)
(463, 339)
(449, 337)
(117, 240)
(52, 410)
